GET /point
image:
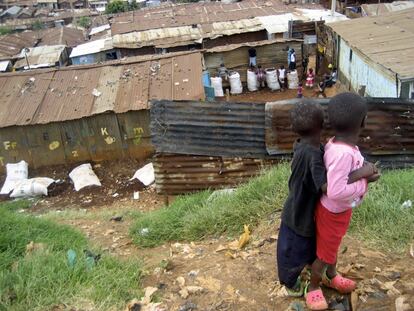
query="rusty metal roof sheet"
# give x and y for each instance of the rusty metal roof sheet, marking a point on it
(389, 128)
(39, 97)
(387, 40)
(11, 45)
(40, 57)
(209, 128)
(168, 16)
(62, 35)
(176, 174)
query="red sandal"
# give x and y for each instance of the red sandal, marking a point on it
(339, 283)
(315, 300)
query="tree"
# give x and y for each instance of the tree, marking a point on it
(37, 25)
(83, 21)
(133, 5)
(116, 6)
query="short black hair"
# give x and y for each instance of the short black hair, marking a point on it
(307, 117)
(347, 112)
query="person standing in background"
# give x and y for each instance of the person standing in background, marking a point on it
(261, 76)
(252, 57)
(305, 63)
(282, 78)
(292, 64)
(289, 53)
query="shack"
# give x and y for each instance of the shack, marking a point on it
(42, 57)
(92, 112)
(49, 4)
(94, 52)
(270, 53)
(375, 55)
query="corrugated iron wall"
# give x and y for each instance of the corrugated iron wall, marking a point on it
(100, 137)
(216, 144)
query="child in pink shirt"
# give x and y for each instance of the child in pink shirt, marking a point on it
(347, 113)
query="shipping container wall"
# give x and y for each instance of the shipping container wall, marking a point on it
(101, 137)
(360, 74)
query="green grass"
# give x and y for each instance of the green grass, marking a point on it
(44, 278)
(380, 220)
(193, 217)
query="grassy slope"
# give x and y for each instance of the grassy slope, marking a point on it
(192, 217)
(44, 279)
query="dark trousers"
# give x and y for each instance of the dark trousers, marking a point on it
(294, 252)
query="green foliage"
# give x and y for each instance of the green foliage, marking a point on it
(84, 21)
(40, 280)
(192, 217)
(37, 25)
(381, 220)
(4, 30)
(116, 6)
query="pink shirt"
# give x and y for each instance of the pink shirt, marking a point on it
(340, 160)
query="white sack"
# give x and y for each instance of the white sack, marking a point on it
(145, 174)
(31, 187)
(16, 172)
(83, 176)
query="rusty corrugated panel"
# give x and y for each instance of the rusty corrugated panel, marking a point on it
(135, 133)
(176, 174)
(75, 139)
(389, 127)
(195, 14)
(21, 96)
(62, 35)
(209, 128)
(14, 146)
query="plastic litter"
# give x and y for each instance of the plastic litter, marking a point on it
(407, 204)
(244, 238)
(71, 257)
(96, 93)
(145, 174)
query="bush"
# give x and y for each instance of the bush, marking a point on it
(116, 6)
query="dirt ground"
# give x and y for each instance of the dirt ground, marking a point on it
(220, 278)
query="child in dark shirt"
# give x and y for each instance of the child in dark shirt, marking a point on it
(296, 247)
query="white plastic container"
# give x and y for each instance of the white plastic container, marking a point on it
(235, 83)
(252, 83)
(271, 79)
(293, 80)
(217, 84)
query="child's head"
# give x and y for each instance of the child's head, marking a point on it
(347, 113)
(300, 84)
(307, 118)
(310, 70)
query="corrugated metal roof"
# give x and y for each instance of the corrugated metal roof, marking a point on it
(205, 13)
(176, 174)
(62, 35)
(4, 65)
(387, 40)
(231, 47)
(14, 10)
(92, 47)
(209, 128)
(383, 8)
(41, 56)
(389, 128)
(184, 30)
(96, 30)
(39, 97)
(11, 45)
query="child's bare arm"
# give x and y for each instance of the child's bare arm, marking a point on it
(365, 171)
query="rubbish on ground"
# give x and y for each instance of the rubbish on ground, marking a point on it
(412, 250)
(144, 231)
(91, 258)
(377, 270)
(188, 306)
(219, 193)
(401, 305)
(34, 247)
(116, 218)
(181, 281)
(340, 303)
(145, 174)
(136, 195)
(149, 292)
(32, 187)
(193, 273)
(407, 204)
(278, 290)
(296, 306)
(96, 93)
(244, 238)
(71, 257)
(16, 172)
(83, 176)
(115, 195)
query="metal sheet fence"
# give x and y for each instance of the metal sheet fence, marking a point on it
(96, 138)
